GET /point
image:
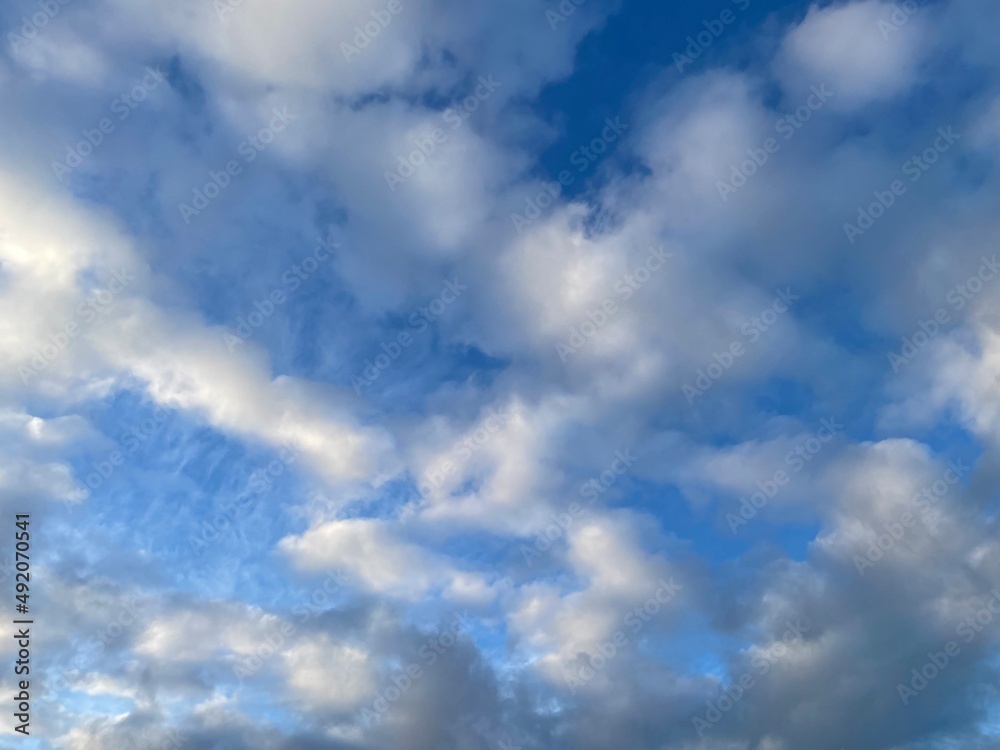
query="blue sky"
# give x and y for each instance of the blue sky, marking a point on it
(524, 375)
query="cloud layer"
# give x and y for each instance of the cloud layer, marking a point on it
(366, 390)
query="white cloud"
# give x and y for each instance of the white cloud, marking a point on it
(847, 47)
(329, 675)
(372, 555)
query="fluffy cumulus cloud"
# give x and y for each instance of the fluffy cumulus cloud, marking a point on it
(859, 49)
(528, 375)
